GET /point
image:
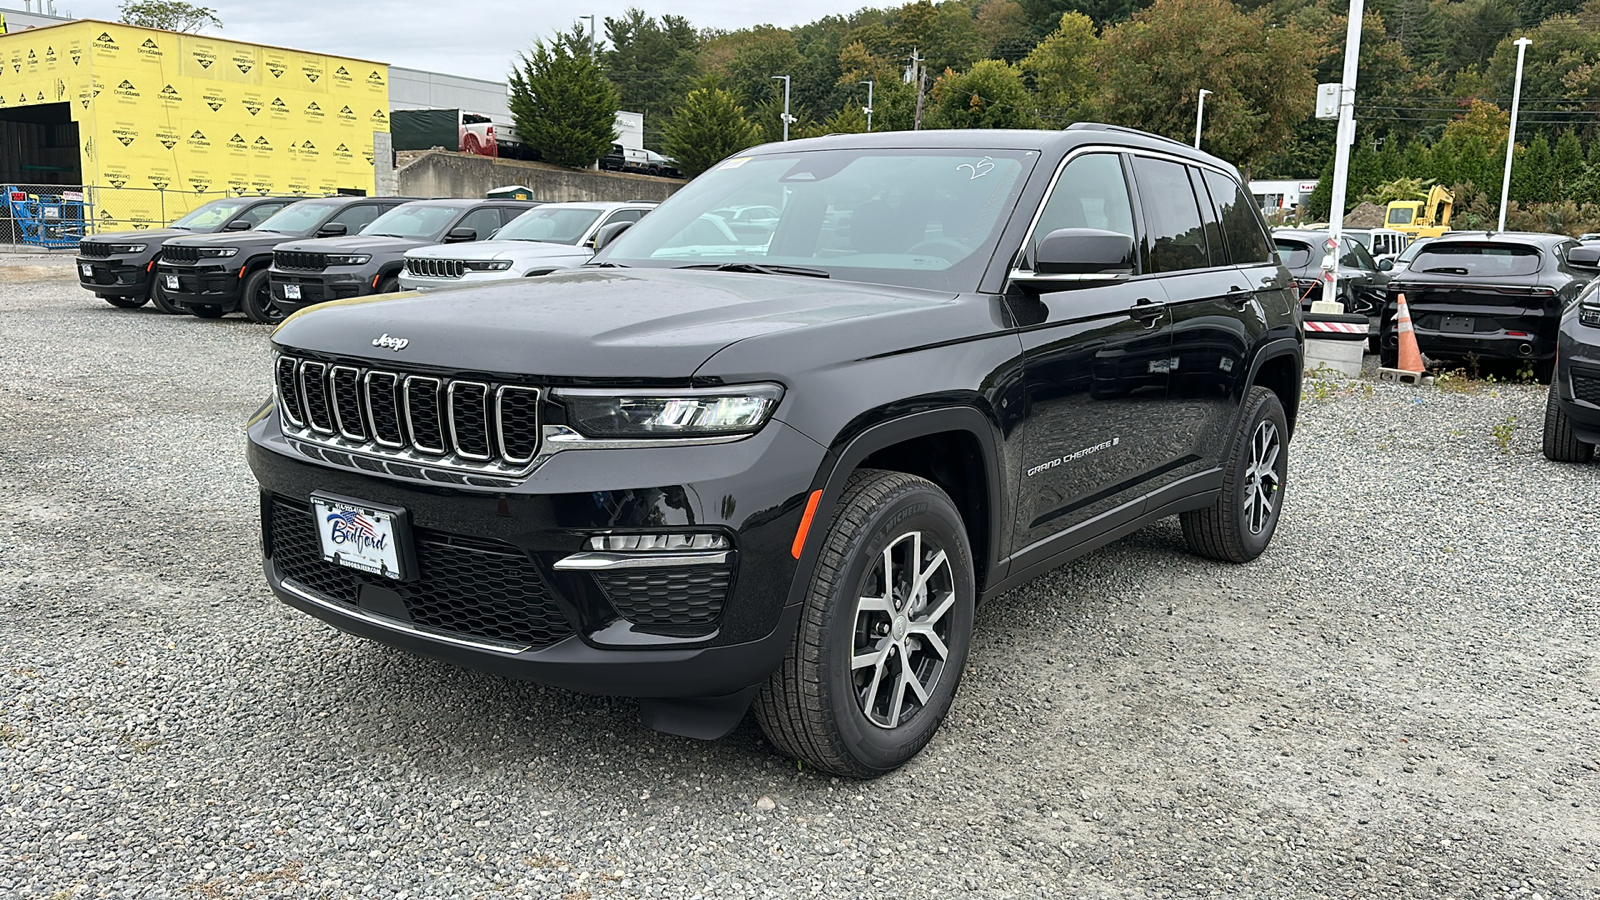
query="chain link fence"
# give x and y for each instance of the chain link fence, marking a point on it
(54, 216)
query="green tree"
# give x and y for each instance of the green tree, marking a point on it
(1560, 63)
(653, 64)
(1568, 162)
(1003, 29)
(989, 95)
(1153, 67)
(169, 15)
(1043, 15)
(1483, 120)
(562, 105)
(1062, 68)
(1533, 172)
(709, 127)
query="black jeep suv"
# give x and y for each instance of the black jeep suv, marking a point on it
(217, 274)
(710, 474)
(309, 272)
(1572, 409)
(118, 267)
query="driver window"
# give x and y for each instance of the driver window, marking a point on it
(1091, 193)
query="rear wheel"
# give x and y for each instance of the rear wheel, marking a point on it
(1560, 444)
(257, 301)
(1238, 526)
(126, 302)
(206, 310)
(883, 637)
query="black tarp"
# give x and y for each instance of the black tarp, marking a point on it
(424, 129)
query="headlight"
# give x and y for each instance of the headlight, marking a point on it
(217, 252)
(697, 412)
(126, 248)
(486, 265)
(349, 259)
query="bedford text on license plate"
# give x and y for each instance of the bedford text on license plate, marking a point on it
(357, 536)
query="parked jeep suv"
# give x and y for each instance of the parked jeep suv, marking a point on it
(1572, 410)
(712, 474)
(538, 242)
(309, 272)
(119, 267)
(213, 275)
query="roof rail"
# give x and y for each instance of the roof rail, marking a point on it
(1101, 126)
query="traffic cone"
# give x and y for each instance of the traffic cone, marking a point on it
(1410, 355)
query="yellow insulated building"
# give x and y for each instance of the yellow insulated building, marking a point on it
(151, 123)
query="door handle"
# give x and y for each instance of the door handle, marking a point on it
(1147, 312)
(1239, 296)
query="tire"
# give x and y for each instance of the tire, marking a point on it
(1235, 528)
(1560, 444)
(158, 297)
(127, 302)
(1544, 370)
(1389, 357)
(206, 310)
(814, 707)
(388, 285)
(257, 302)
(1374, 344)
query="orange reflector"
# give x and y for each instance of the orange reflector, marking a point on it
(241, 271)
(375, 281)
(152, 265)
(805, 524)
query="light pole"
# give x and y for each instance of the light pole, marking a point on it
(1200, 117)
(1511, 136)
(786, 117)
(590, 17)
(868, 110)
(1345, 136)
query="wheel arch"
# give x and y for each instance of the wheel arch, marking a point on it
(956, 448)
(1278, 367)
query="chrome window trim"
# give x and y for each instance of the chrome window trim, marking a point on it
(500, 423)
(305, 398)
(394, 397)
(333, 402)
(450, 417)
(411, 431)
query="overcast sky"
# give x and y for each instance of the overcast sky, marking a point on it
(477, 38)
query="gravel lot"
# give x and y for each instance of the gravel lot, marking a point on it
(1400, 699)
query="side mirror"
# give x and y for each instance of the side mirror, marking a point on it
(1069, 255)
(607, 234)
(237, 225)
(1585, 257)
(1385, 265)
(333, 229)
(461, 235)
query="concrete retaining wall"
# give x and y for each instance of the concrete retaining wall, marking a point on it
(438, 173)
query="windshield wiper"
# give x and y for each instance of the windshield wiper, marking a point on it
(1446, 270)
(605, 265)
(760, 269)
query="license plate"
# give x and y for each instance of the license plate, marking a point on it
(291, 292)
(170, 282)
(359, 536)
(87, 270)
(1457, 324)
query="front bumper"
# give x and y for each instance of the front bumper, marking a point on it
(115, 276)
(317, 287)
(1577, 379)
(201, 284)
(487, 593)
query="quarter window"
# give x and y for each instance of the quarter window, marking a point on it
(1091, 193)
(1171, 216)
(1241, 227)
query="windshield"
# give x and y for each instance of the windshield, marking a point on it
(1364, 238)
(414, 221)
(917, 218)
(298, 218)
(550, 225)
(211, 216)
(1293, 254)
(1478, 260)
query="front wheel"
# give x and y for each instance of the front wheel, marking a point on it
(1238, 526)
(388, 285)
(158, 298)
(883, 637)
(1560, 444)
(126, 302)
(206, 310)
(257, 301)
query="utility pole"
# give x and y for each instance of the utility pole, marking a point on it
(1200, 117)
(590, 17)
(786, 117)
(916, 73)
(1511, 136)
(868, 109)
(1345, 138)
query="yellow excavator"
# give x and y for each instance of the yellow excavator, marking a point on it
(1422, 218)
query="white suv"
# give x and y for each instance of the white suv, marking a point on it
(542, 240)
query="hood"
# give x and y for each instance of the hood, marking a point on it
(513, 250)
(610, 325)
(354, 243)
(147, 236)
(248, 239)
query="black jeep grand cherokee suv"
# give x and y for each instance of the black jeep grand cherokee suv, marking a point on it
(706, 473)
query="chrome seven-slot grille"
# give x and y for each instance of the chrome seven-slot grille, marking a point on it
(294, 259)
(436, 268)
(415, 420)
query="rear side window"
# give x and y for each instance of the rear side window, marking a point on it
(1477, 260)
(1171, 215)
(1208, 215)
(1241, 227)
(1293, 254)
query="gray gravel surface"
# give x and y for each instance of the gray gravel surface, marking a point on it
(1400, 699)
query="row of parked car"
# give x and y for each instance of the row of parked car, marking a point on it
(270, 256)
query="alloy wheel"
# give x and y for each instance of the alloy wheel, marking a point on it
(902, 630)
(1261, 480)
